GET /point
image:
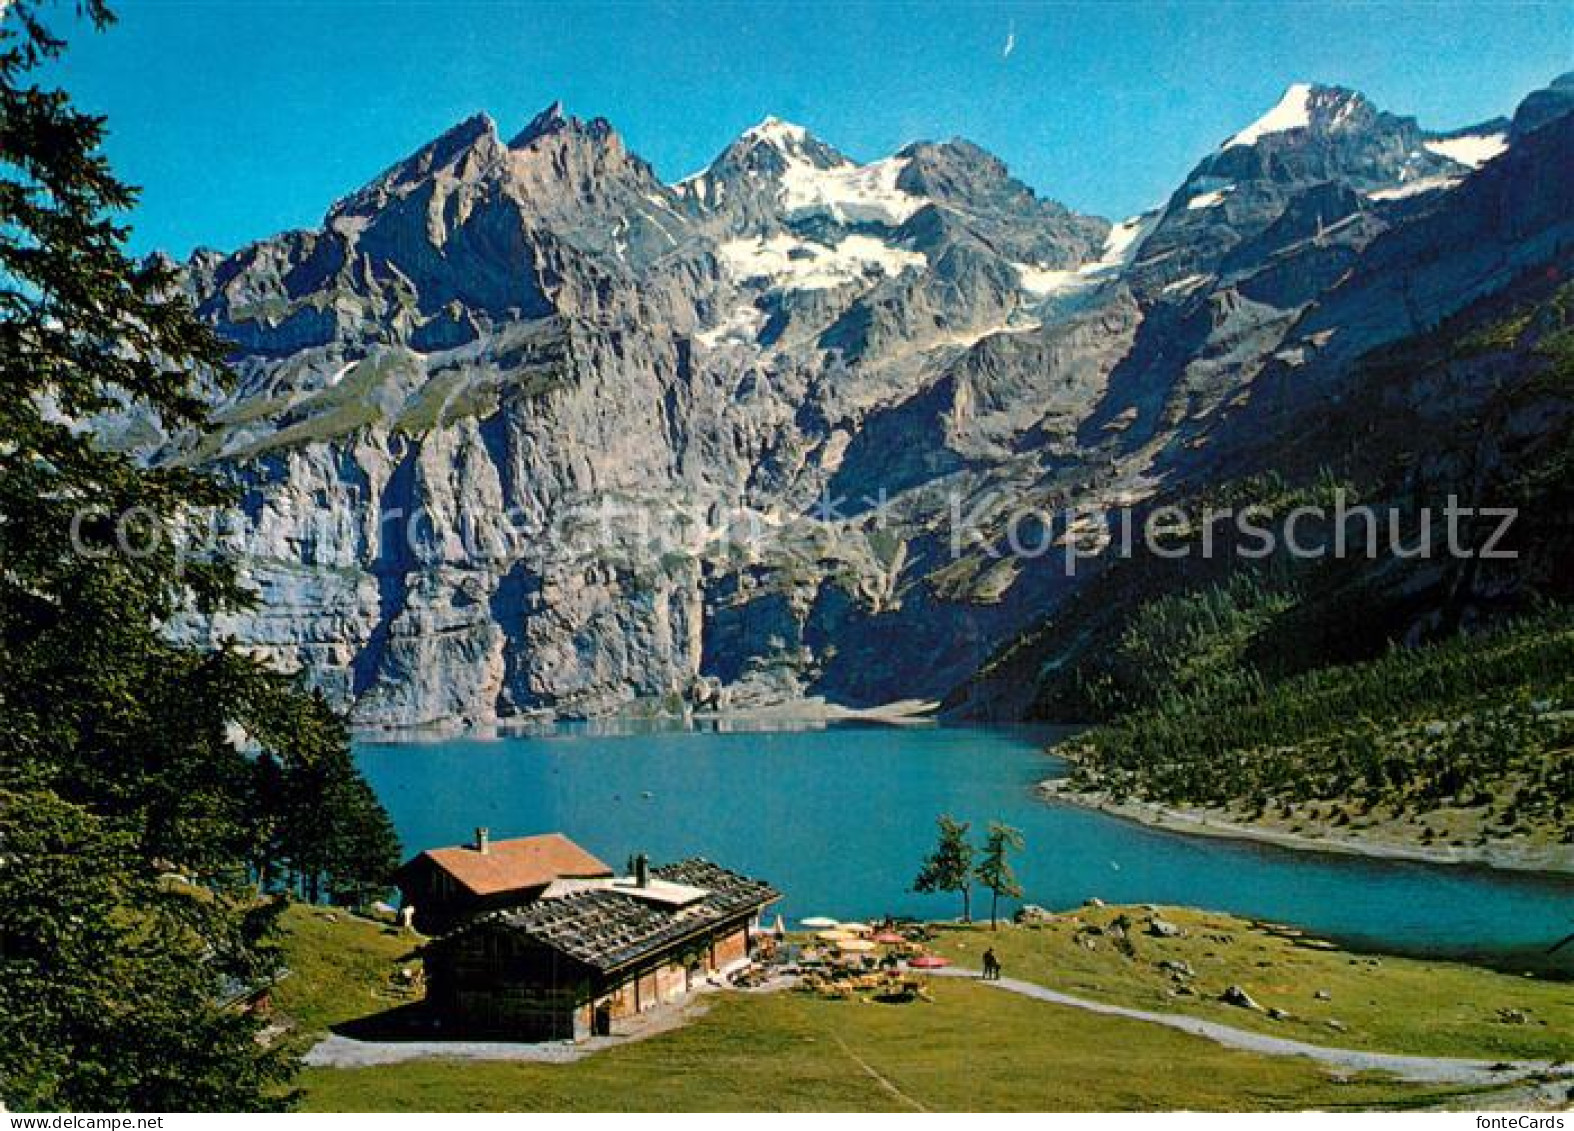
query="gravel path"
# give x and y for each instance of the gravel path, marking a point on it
(334, 1051)
(1420, 1069)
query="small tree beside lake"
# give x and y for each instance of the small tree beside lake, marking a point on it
(950, 866)
(994, 870)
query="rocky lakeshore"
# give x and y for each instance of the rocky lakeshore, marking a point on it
(789, 714)
(1214, 822)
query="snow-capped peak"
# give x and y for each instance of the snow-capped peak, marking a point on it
(783, 134)
(807, 177)
(1293, 112)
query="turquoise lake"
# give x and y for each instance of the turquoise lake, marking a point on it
(838, 819)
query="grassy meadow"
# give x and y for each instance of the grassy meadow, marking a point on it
(971, 1047)
(1380, 1003)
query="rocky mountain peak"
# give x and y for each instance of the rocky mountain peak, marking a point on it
(778, 173)
(1314, 134)
(552, 122)
(925, 197)
(950, 169)
(963, 175)
(977, 191)
(1309, 107)
(772, 152)
(775, 138)
(478, 127)
(548, 121)
(462, 152)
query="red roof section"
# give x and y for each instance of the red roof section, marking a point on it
(509, 865)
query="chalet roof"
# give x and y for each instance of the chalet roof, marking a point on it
(605, 928)
(654, 890)
(511, 865)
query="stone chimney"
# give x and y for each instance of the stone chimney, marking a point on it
(483, 839)
(642, 871)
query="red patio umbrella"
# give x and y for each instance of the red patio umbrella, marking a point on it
(929, 961)
(889, 938)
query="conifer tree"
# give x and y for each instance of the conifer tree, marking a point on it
(994, 869)
(950, 866)
(135, 821)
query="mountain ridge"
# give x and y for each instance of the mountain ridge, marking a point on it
(557, 108)
(543, 327)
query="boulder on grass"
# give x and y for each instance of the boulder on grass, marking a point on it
(1239, 998)
(1161, 928)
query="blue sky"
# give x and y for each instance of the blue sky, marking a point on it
(241, 119)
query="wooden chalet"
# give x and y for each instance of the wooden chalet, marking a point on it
(588, 952)
(446, 886)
